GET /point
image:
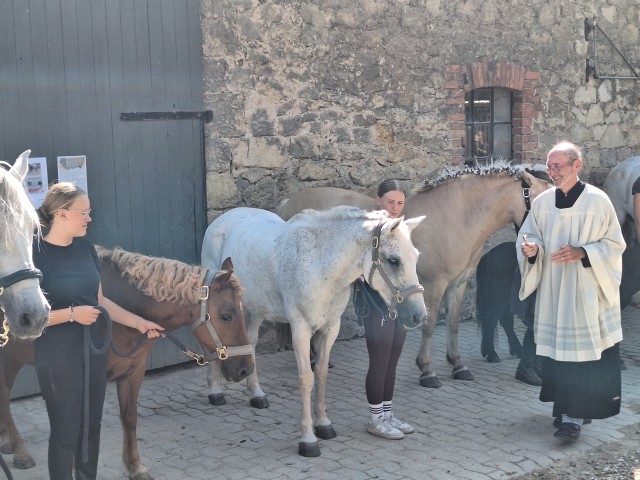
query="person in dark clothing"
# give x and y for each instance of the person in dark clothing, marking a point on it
(71, 283)
(384, 337)
(635, 191)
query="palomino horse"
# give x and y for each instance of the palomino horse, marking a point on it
(26, 310)
(463, 207)
(301, 272)
(171, 294)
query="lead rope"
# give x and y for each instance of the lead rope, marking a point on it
(88, 348)
(5, 468)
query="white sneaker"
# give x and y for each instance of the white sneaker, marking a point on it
(400, 425)
(382, 428)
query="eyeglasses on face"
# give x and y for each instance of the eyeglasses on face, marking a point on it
(84, 214)
(557, 168)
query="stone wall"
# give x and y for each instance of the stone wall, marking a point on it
(328, 92)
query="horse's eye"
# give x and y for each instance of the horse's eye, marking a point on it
(394, 262)
(226, 317)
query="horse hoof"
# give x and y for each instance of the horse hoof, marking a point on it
(308, 449)
(6, 449)
(493, 358)
(325, 432)
(430, 381)
(260, 402)
(24, 462)
(463, 374)
(217, 399)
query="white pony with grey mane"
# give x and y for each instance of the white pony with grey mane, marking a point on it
(25, 308)
(301, 272)
(618, 186)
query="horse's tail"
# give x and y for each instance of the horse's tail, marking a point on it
(284, 338)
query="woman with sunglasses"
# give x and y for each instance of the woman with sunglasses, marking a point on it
(71, 283)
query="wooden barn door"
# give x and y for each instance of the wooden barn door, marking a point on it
(119, 82)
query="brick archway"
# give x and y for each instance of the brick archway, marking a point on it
(523, 83)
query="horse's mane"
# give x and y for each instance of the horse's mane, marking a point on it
(341, 212)
(163, 279)
(14, 204)
(497, 166)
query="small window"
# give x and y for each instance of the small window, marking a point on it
(488, 124)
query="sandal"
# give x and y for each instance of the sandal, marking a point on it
(568, 431)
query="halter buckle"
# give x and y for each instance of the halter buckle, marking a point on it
(222, 353)
(204, 293)
(375, 243)
(399, 297)
(4, 336)
(526, 192)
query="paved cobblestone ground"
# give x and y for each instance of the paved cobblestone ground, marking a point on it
(490, 428)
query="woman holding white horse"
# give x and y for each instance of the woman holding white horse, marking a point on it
(71, 281)
(384, 336)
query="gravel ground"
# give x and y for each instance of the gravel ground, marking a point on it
(614, 461)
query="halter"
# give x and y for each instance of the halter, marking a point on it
(24, 274)
(18, 276)
(399, 295)
(222, 352)
(526, 194)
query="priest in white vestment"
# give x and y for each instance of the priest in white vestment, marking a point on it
(570, 252)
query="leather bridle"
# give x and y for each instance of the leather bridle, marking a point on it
(222, 352)
(526, 194)
(399, 295)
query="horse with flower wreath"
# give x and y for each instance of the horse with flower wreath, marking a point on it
(463, 206)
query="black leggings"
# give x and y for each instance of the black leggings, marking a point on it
(384, 344)
(60, 370)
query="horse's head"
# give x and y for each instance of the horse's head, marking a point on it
(226, 331)
(393, 270)
(26, 309)
(534, 182)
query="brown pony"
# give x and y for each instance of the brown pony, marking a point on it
(169, 293)
(464, 207)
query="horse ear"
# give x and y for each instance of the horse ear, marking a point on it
(227, 264)
(222, 279)
(21, 167)
(396, 223)
(530, 179)
(414, 222)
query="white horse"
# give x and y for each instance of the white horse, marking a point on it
(301, 272)
(618, 186)
(25, 308)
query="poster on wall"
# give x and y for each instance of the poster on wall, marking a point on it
(73, 169)
(37, 180)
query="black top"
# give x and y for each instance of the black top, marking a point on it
(636, 187)
(569, 199)
(70, 274)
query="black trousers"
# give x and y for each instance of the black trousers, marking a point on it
(384, 344)
(60, 369)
